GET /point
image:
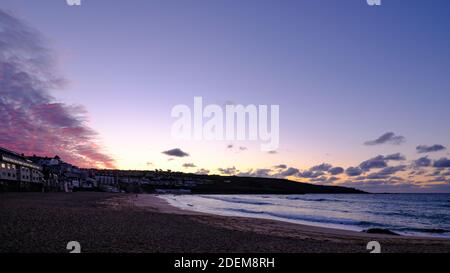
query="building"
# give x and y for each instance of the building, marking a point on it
(62, 176)
(19, 173)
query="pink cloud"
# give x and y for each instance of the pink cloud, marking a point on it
(31, 121)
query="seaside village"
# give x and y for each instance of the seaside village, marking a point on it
(34, 173)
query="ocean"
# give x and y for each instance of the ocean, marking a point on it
(406, 214)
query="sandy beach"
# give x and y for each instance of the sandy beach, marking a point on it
(102, 222)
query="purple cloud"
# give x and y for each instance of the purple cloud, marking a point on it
(228, 171)
(442, 163)
(177, 152)
(430, 149)
(324, 167)
(336, 170)
(33, 122)
(422, 162)
(202, 172)
(353, 171)
(387, 138)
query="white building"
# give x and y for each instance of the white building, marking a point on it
(105, 180)
(18, 172)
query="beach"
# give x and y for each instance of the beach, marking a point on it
(129, 223)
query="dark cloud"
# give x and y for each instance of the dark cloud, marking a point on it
(442, 163)
(422, 162)
(333, 179)
(387, 138)
(230, 146)
(377, 162)
(374, 176)
(310, 174)
(336, 170)
(177, 152)
(320, 179)
(395, 157)
(289, 172)
(417, 172)
(32, 121)
(435, 173)
(247, 173)
(396, 179)
(228, 171)
(242, 148)
(438, 179)
(281, 166)
(380, 161)
(189, 165)
(353, 171)
(324, 167)
(324, 179)
(272, 152)
(262, 173)
(429, 149)
(392, 170)
(202, 172)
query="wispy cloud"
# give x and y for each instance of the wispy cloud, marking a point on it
(32, 121)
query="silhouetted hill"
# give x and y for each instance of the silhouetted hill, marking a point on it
(257, 185)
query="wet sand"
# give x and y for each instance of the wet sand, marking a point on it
(102, 222)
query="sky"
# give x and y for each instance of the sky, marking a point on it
(363, 90)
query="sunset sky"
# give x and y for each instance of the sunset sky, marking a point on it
(363, 91)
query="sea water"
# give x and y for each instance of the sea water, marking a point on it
(407, 214)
